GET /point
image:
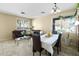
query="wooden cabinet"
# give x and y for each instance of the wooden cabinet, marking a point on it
(19, 33)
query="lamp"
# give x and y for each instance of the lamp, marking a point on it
(55, 9)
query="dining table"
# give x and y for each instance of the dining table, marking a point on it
(48, 42)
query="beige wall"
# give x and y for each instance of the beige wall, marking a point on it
(7, 25)
(43, 23)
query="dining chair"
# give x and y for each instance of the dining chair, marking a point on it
(36, 42)
(58, 43)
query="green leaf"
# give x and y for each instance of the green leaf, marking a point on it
(77, 5)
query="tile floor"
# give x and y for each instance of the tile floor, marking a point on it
(24, 48)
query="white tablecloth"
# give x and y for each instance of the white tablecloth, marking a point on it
(49, 42)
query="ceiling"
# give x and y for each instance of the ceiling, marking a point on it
(32, 9)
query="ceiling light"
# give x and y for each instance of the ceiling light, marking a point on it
(22, 12)
(55, 9)
(42, 12)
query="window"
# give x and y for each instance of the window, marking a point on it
(65, 25)
(24, 24)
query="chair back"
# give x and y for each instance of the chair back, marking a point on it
(58, 43)
(36, 40)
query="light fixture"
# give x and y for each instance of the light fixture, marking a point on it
(42, 12)
(22, 12)
(55, 9)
